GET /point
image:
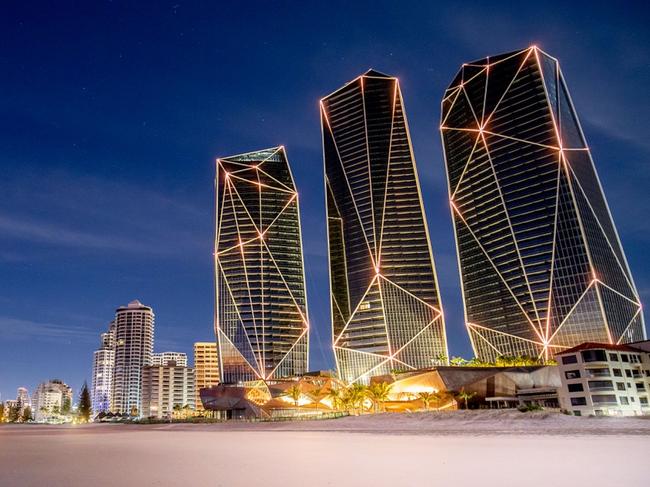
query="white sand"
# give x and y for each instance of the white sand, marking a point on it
(475, 449)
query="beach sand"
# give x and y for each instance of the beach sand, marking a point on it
(486, 448)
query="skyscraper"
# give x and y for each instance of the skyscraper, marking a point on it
(134, 328)
(103, 364)
(206, 369)
(541, 262)
(261, 306)
(386, 311)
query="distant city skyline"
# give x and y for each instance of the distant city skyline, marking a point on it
(112, 123)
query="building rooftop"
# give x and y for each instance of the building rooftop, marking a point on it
(594, 345)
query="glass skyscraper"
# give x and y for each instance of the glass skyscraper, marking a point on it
(386, 311)
(541, 262)
(261, 306)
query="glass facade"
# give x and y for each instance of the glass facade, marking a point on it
(386, 311)
(541, 263)
(261, 304)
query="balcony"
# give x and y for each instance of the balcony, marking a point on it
(598, 373)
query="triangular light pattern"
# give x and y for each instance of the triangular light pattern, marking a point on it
(542, 265)
(386, 312)
(261, 318)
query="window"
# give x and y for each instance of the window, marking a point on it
(620, 386)
(613, 357)
(643, 401)
(624, 401)
(598, 372)
(578, 401)
(628, 373)
(617, 372)
(570, 359)
(604, 399)
(600, 385)
(594, 356)
(640, 386)
(572, 374)
(575, 387)
(632, 399)
(577, 413)
(625, 358)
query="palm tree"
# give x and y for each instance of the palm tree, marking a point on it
(426, 398)
(477, 362)
(294, 393)
(458, 361)
(466, 396)
(441, 359)
(317, 394)
(378, 393)
(335, 397)
(354, 396)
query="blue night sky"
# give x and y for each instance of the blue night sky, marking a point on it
(112, 114)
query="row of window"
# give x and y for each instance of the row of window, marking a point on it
(604, 372)
(605, 384)
(601, 356)
(608, 399)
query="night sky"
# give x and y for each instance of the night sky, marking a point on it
(111, 116)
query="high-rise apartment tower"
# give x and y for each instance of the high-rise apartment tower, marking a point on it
(206, 369)
(261, 305)
(103, 365)
(386, 311)
(134, 329)
(542, 265)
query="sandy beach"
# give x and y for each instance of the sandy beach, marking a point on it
(462, 448)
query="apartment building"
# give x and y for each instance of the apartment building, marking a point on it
(605, 379)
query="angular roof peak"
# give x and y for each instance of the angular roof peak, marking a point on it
(376, 74)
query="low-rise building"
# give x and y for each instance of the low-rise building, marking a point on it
(604, 379)
(489, 387)
(52, 401)
(166, 390)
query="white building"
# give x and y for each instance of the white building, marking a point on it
(163, 358)
(604, 379)
(134, 329)
(103, 364)
(22, 397)
(164, 387)
(51, 399)
(206, 369)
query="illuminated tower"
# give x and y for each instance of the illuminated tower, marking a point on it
(134, 329)
(384, 296)
(206, 369)
(541, 263)
(103, 366)
(261, 304)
